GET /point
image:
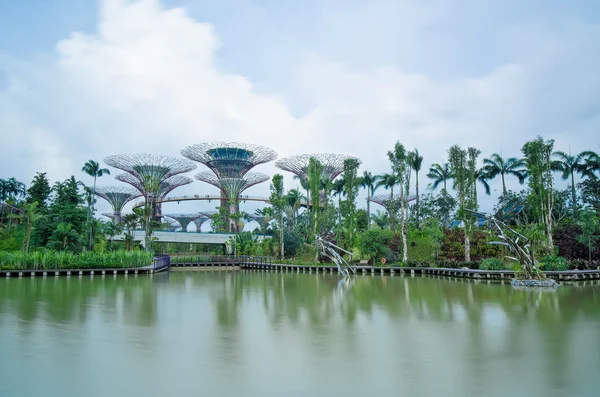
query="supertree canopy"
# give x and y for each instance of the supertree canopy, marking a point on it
(199, 221)
(184, 219)
(391, 204)
(117, 197)
(164, 187)
(229, 160)
(232, 187)
(333, 164)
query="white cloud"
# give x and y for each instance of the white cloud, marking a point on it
(149, 80)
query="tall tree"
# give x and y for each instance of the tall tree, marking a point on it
(569, 166)
(11, 188)
(496, 165)
(337, 189)
(32, 216)
(462, 165)
(278, 201)
(93, 169)
(39, 191)
(538, 159)
(369, 182)
(399, 159)
(348, 207)
(440, 174)
(415, 161)
(315, 179)
(294, 200)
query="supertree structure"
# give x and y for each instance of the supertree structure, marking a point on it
(232, 188)
(184, 219)
(389, 202)
(164, 188)
(229, 159)
(110, 215)
(151, 172)
(117, 197)
(333, 164)
(204, 216)
(262, 220)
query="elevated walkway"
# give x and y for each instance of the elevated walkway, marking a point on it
(184, 237)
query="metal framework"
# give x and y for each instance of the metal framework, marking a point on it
(232, 187)
(199, 221)
(150, 169)
(184, 219)
(391, 204)
(333, 164)
(330, 251)
(229, 159)
(164, 187)
(110, 215)
(117, 197)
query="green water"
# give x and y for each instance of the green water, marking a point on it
(272, 334)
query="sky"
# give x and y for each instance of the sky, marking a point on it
(81, 80)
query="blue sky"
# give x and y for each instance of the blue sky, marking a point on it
(82, 79)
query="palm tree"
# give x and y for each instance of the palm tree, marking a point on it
(592, 164)
(569, 166)
(481, 176)
(440, 174)
(388, 181)
(338, 188)
(369, 182)
(11, 188)
(294, 200)
(415, 161)
(92, 168)
(32, 216)
(496, 165)
(305, 185)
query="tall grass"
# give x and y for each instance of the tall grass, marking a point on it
(69, 260)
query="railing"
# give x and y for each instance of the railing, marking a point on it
(222, 260)
(160, 263)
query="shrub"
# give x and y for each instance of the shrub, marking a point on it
(554, 263)
(373, 244)
(69, 260)
(491, 264)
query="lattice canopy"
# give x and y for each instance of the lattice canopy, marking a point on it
(229, 159)
(117, 196)
(333, 164)
(149, 170)
(232, 187)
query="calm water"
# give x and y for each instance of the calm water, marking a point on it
(272, 334)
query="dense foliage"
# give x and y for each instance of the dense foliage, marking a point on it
(437, 225)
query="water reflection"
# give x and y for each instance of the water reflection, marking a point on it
(393, 330)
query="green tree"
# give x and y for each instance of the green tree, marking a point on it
(569, 166)
(11, 189)
(39, 191)
(589, 231)
(399, 159)
(294, 201)
(93, 169)
(348, 207)
(315, 173)
(440, 174)
(373, 243)
(32, 216)
(338, 188)
(496, 165)
(538, 159)
(369, 182)
(65, 238)
(462, 166)
(278, 201)
(415, 161)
